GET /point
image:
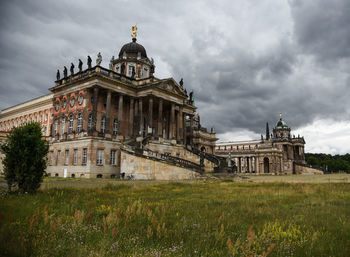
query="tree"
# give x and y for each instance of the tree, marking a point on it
(25, 158)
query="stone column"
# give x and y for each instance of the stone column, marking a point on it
(160, 118)
(108, 112)
(141, 116)
(191, 129)
(184, 129)
(131, 118)
(180, 124)
(172, 121)
(257, 165)
(250, 164)
(94, 108)
(150, 115)
(120, 115)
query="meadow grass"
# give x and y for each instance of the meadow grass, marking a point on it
(188, 218)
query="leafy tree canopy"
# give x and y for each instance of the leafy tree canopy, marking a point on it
(334, 163)
(25, 158)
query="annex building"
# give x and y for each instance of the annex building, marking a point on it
(277, 153)
(120, 120)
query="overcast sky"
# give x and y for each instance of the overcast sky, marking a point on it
(246, 60)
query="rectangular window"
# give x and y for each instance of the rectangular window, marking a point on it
(51, 158)
(113, 157)
(99, 157)
(58, 157)
(90, 122)
(115, 127)
(75, 157)
(84, 156)
(63, 124)
(66, 157)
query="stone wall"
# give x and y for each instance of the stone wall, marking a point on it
(90, 169)
(181, 152)
(144, 168)
(301, 169)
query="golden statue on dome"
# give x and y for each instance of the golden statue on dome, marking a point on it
(280, 115)
(134, 32)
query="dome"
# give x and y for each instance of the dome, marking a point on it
(281, 124)
(132, 49)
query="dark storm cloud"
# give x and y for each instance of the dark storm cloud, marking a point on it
(245, 60)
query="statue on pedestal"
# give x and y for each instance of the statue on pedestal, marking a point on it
(111, 63)
(181, 82)
(122, 69)
(58, 75)
(72, 69)
(99, 59)
(89, 62)
(80, 65)
(65, 72)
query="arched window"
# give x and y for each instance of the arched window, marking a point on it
(63, 123)
(80, 123)
(55, 127)
(103, 124)
(90, 122)
(115, 127)
(70, 124)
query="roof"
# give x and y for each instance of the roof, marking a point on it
(132, 49)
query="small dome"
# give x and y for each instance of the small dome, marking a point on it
(281, 124)
(132, 49)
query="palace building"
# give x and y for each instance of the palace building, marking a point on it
(277, 153)
(104, 122)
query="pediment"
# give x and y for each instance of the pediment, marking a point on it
(171, 86)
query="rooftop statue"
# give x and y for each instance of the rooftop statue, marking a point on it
(181, 82)
(65, 72)
(134, 31)
(58, 75)
(99, 59)
(80, 65)
(111, 63)
(89, 61)
(71, 69)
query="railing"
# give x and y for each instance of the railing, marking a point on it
(147, 153)
(96, 69)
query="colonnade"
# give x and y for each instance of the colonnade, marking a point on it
(138, 119)
(247, 164)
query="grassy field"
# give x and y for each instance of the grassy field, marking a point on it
(250, 216)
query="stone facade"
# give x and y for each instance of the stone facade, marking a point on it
(277, 153)
(146, 168)
(91, 113)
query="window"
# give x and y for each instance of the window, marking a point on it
(103, 124)
(80, 123)
(51, 158)
(55, 127)
(115, 127)
(62, 125)
(45, 131)
(66, 157)
(84, 156)
(99, 157)
(58, 157)
(70, 124)
(131, 70)
(75, 157)
(113, 157)
(90, 122)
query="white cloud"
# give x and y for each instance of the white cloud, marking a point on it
(326, 136)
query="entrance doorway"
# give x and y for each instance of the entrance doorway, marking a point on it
(266, 165)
